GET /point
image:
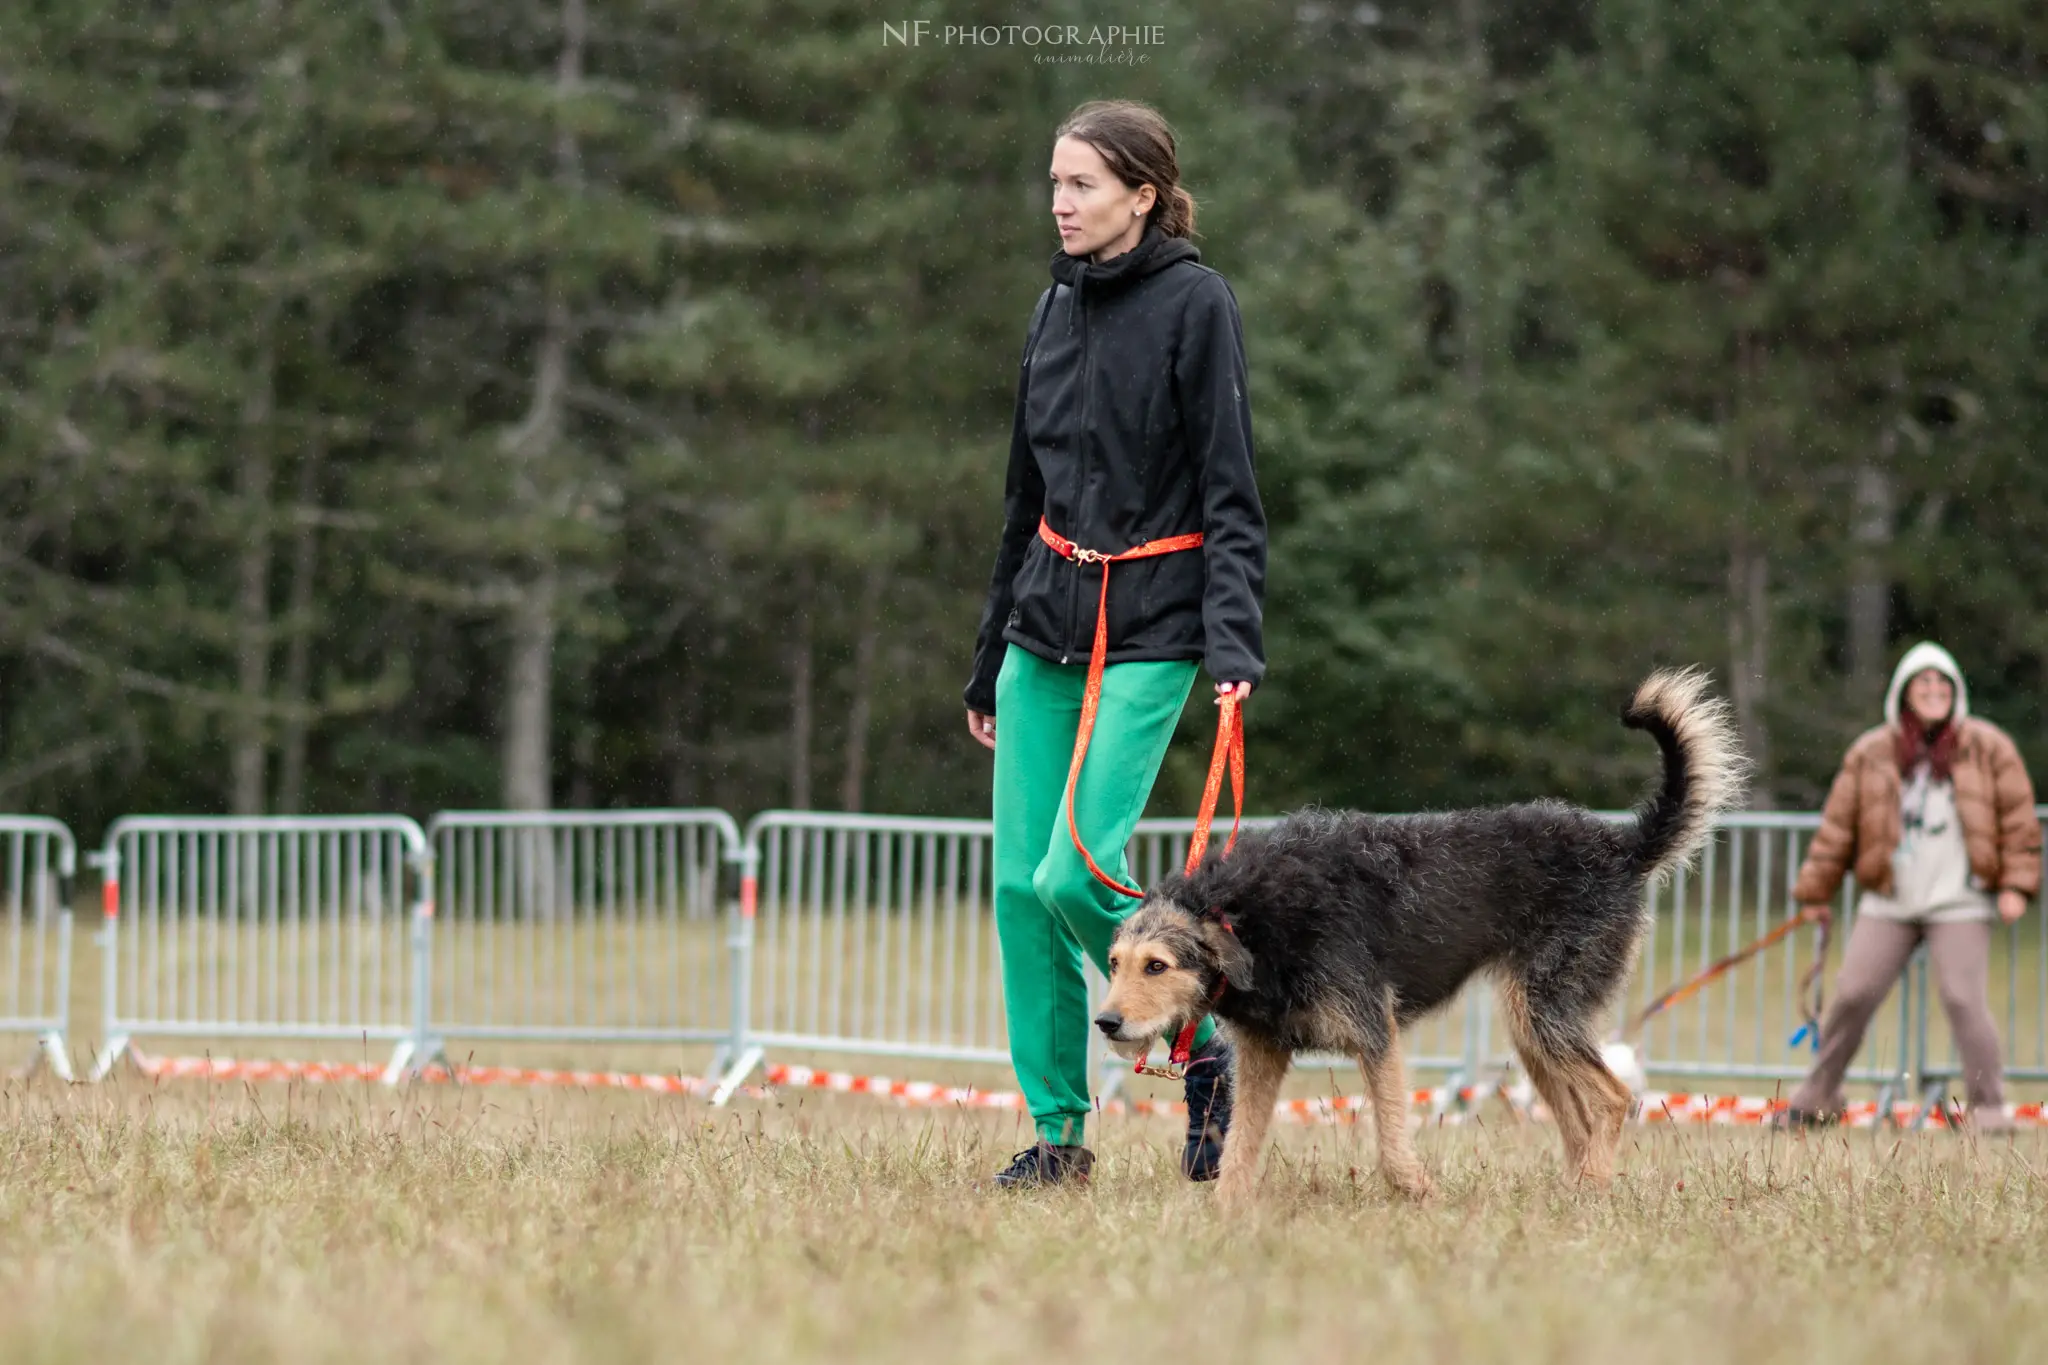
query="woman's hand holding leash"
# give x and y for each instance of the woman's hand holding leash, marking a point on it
(1239, 690)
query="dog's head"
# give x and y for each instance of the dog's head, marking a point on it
(1164, 967)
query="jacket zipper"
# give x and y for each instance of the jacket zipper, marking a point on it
(1080, 483)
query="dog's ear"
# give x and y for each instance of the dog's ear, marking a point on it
(1233, 959)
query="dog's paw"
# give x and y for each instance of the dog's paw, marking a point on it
(1415, 1185)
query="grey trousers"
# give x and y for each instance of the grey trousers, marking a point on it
(1876, 953)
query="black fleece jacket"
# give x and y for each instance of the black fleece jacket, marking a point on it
(1132, 423)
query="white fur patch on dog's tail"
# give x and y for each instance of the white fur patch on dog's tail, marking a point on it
(1705, 770)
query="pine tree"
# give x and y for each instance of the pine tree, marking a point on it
(165, 408)
(518, 194)
(1771, 308)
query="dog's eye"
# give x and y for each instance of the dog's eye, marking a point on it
(1154, 967)
(1112, 966)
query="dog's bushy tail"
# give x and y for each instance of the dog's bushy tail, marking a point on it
(1704, 767)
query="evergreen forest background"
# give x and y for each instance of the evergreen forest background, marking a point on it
(411, 404)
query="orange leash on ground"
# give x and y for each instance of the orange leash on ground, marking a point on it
(1229, 749)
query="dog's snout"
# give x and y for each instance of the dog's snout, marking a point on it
(1109, 1021)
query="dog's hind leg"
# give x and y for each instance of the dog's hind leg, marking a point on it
(1387, 1077)
(1259, 1071)
(1606, 1100)
(1550, 1079)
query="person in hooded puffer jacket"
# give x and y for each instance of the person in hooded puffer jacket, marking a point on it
(1934, 813)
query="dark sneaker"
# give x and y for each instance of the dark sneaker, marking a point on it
(1209, 1101)
(1046, 1163)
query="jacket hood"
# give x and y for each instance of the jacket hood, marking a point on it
(1154, 252)
(1926, 655)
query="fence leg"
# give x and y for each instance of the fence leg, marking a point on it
(737, 1058)
(400, 1065)
(50, 1052)
(115, 1044)
(736, 1075)
(1933, 1099)
(1472, 1062)
(408, 1059)
(1927, 1086)
(117, 1049)
(1114, 1074)
(1911, 1025)
(413, 1055)
(50, 1048)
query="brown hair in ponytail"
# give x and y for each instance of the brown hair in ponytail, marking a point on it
(1137, 145)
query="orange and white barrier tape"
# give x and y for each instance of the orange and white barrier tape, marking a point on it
(1732, 1109)
(1341, 1109)
(230, 1069)
(227, 1069)
(1656, 1107)
(903, 1092)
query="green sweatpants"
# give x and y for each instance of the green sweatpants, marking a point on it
(1049, 907)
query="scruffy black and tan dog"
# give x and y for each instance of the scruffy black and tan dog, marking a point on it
(1333, 931)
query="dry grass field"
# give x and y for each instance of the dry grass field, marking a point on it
(181, 1221)
(187, 1222)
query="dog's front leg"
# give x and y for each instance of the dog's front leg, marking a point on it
(1260, 1069)
(1387, 1078)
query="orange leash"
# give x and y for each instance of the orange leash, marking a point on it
(1812, 995)
(1229, 750)
(1685, 991)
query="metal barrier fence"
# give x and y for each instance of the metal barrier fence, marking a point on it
(38, 859)
(265, 927)
(876, 935)
(850, 934)
(600, 926)
(1733, 1028)
(873, 934)
(1739, 1027)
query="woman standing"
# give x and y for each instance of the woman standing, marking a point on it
(1132, 427)
(1935, 813)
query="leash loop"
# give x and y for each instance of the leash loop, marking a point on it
(1229, 751)
(1812, 995)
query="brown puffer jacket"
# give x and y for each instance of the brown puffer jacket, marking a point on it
(1860, 823)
